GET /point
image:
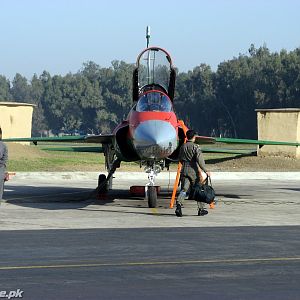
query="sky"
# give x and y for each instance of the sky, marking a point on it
(60, 35)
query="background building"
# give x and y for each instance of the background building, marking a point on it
(16, 119)
(279, 125)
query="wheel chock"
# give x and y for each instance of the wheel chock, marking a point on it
(139, 190)
(102, 197)
(212, 205)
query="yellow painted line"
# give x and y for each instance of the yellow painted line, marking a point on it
(154, 210)
(154, 263)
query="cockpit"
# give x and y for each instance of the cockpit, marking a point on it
(154, 101)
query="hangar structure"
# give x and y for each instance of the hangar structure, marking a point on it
(279, 125)
(16, 119)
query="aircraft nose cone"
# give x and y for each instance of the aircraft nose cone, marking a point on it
(155, 139)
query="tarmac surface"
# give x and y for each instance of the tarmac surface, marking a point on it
(59, 242)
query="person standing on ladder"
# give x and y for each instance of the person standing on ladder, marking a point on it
(190, 155)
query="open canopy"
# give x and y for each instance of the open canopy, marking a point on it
(154, 71)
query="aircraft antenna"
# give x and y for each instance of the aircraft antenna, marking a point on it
(148, 35)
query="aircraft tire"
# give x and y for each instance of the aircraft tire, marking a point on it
(101, 180)
(152, 196)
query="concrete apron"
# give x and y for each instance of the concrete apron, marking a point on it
(36, 176)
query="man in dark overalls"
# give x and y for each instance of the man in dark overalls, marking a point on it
(3, 161)
(190, 155)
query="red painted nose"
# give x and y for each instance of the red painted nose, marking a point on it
(154, 139)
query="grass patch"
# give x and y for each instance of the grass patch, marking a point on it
(30, 158)
(54, 164)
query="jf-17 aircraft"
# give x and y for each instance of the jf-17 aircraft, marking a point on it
(151, 134)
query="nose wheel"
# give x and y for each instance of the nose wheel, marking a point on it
(152, 196)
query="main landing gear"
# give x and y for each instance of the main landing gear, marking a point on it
(105, 183)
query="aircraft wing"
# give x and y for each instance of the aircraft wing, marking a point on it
(101, 139)
(213, 140)
(220, 141)
(204, 140)
(255, 142)
(229, 151)
(90, 149)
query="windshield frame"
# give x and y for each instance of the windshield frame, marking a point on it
(152, 105)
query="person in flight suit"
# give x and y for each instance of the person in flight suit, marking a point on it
(190, 155)
(3, 162)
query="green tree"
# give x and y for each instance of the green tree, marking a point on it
(195, 101)
(20, 89)
(36, 93)
(5, 94)
(116, 83)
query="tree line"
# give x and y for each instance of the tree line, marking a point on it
(216, 103)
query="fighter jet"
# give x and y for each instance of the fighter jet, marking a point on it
(151, 134)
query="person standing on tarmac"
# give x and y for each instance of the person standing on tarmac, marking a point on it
(3, 162)
(190, 155)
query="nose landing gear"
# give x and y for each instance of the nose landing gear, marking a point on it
(150, 188)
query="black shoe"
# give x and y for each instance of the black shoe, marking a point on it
(202, 212)
(178, 210)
